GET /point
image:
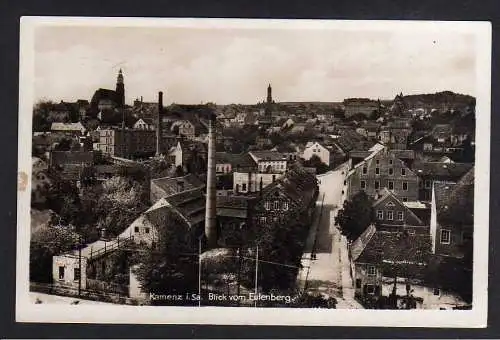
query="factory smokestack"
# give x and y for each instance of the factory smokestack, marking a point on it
(210, 211)
(158, 123)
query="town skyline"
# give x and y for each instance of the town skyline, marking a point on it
(175, 61)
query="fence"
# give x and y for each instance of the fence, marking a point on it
(107, 287)
(111, 246)
(87, 294)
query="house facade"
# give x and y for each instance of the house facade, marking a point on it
(270, 161)
(452, 216)
(383, 170)
(317, 149)
(127, 143)
(290, 199)
(391, 214)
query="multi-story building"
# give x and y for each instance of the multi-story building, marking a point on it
(452, 216)
(382, 170)
(127, 143)
(290, 199)
(391, 214)
(270, 161)
(429, 172)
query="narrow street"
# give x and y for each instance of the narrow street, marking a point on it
(330, 272)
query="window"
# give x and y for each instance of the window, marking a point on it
(267, 205)
(403, 171)
(363, 185)
(276, 205)
(274, 178)
(391, 185)
(244, 187)
(427, 184)
(358, 283)
(377, 185)
(377, 171)
(263, 219)
(285, 205)
(76, 274)
(391, 171)
(61, 273)
(146, 230)
(136, 229)
(377, 161)
(400, 215)
(436, 291)
(445, 237)
(370, 289)
(405, 186)
(372, 271)
(380, 214)
(390, 161)
(365, 170)
(404, 199)
(390, 215)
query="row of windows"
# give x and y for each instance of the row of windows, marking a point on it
(146, 230)
(391, 171)
(276, 205)
(389, 215)
(76, 273)
(390, 185)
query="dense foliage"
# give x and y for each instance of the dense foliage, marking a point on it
(355, 216)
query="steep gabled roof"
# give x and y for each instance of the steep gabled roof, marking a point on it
(455, 202)
(385, 194)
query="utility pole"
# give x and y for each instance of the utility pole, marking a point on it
(80, 265)
(199, 271)
(256, 273)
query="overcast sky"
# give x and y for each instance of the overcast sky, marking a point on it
(234, 65)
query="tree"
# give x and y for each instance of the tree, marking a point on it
(170, 267)
(119, 204)
(315, 162)
(40, 115)
(45, 243)
(355, 216)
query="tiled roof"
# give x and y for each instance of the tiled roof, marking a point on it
(404, 253)
(171, 185)
(234, 206)
(243, 160)
(442, 169)
(455, 202)
(297, 183)
(190, 204)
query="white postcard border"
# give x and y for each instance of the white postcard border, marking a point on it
(26, 311)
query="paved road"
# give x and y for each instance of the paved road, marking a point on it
(330, 272)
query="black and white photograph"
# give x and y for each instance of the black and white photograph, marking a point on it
(231, 171)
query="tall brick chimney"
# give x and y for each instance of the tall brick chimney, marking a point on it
(210, 211)
(158, 123)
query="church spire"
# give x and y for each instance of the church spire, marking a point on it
(269, 94)
(120, 90)
(119, 79)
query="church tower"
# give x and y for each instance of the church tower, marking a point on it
(120, 90)
(269, 95)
